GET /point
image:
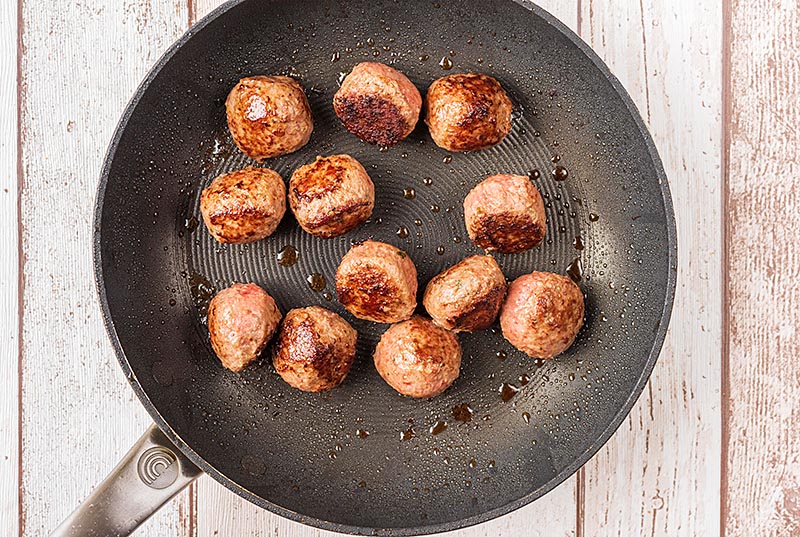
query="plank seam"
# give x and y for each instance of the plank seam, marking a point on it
(727, 111)
(20, 260)
(580, 494)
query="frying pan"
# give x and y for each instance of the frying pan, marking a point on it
(360, 458)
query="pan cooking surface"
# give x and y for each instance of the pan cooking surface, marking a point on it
(360, 457)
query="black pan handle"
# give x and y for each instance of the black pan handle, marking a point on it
(151, 473)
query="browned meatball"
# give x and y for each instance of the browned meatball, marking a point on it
(315, 349)
(378, 104)
(331, 196)
(377, 282)
(268, 116)
(244, 206)
(467, 112)
(241, 320)
(418, 358)
(542, 314)
(467, 296)
(505, 213)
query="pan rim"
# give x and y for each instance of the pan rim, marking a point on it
(559, 478)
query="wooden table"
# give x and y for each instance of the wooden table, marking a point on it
(713, 445)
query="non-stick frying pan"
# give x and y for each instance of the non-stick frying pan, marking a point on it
(361, 458)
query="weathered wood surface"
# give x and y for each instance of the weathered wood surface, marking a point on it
(711, 447)
(660, 474)
(81, 62)
(9, 326)
(762, 414)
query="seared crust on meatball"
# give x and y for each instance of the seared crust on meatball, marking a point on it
(244, 206)
(467, 112)
(241, 320)
(377, 282)
(269, 116)
(418, 358)
(331, 196)
(378, 103)
(467, 296)
(315, 349)
(542, 314)
(505, 213)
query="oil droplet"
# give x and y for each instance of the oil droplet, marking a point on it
(457, 240)
(535, 174)
(438, 428)
(370, 42)
(191, 224)
(577, 242)
(362, 484)
(571, 376)
(402, 232)
(491, 463)
(538, 362)
(428, 181)
(424, 58)
(341, 77)
(383, 149)
(462, 412)
(593, 217)
(316, 281)
(287, 256)
(435, 208)
(575, 270)
(335, 57)
(327, 296)
(526, 417)
(446, 63)
(507, 392)
(556, 158)
(172, 302)
(332, 455)
(447, 159)
(253, 465)
(407, 434)
(473, 463)
(409, 193)
(502, 355)
(560, 173)
(440, 250)
(202, 292)
(361, 433)
(524, 379)
(418, 222)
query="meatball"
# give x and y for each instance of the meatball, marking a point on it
(241, 320)
(467, 296)
(377, 282)
(542, 314)
(315, 349)
(331, 196)
(418, 358)
(467, 112)
(505, 213)
(378, 104)
(244, 206)
(268, 116)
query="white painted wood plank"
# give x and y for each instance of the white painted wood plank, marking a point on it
(660, 474)
(220, 512)
(82, 62)
(9, 345)
(763, 399)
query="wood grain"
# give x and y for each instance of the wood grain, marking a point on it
(81, 63)
(9, 262)
(220, 512)
(762, 413)
(659, 475)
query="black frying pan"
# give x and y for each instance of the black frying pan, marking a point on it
(307, 456)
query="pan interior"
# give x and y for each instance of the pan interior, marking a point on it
(361, 456)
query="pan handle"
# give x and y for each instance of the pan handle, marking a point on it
(151, 473)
